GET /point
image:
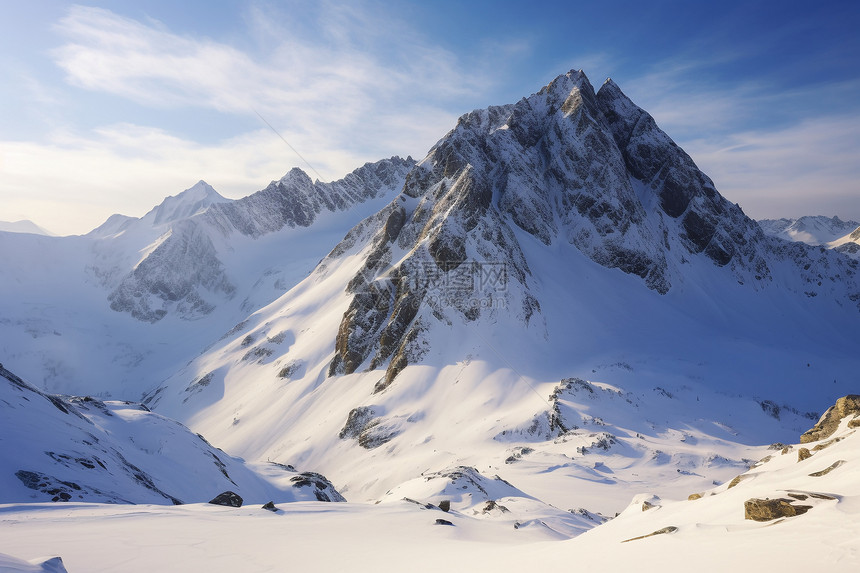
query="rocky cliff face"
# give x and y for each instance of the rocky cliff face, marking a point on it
(566, 167)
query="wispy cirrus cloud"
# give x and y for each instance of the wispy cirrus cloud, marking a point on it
(809, 168)
(343, 84)
(346, 83)
(348, 87)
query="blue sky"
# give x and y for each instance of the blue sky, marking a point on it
(110, 106)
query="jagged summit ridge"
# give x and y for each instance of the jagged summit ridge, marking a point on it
(296, 201)
(183, 271)
(812, 230)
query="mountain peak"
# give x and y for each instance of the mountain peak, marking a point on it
(23, 226)
(296, 176)
(566, 86)
(579, 172)
(188, 203)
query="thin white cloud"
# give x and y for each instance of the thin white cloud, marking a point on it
(349, 84)
(807, 168)
(330, 87)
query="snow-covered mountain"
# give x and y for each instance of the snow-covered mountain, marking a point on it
(812, 230)
(830, 232)
(182, 270)
(552, 313)
(114, 311)
(557, 296)
(23, 226)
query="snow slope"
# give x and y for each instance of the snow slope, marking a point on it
(709, 533)
(61, 449)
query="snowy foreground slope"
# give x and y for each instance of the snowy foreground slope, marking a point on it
(71, 449)
(112, 312)
(708, 530)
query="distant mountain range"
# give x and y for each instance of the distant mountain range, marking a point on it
(830, 232)
(24, 226)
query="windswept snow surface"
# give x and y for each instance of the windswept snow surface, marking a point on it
(710, 532)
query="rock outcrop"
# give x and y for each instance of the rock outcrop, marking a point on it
(228, 498)
(829, 422)
(769, 509)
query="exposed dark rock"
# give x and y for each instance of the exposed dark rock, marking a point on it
(270, 506)
(591, 516)
(290, 369)
(228, 498)
(770, 408)
(769, 509)
(363, 424)
(737, 480)
(491, 505)
(356, 421)
(828, 469)
(829, 422)
(803, 454)
(445, 505)
(519, 452)
(200, 383)
(661, 531)
(443, 522)
(567, 166)
(323, 488)
(58, 489)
